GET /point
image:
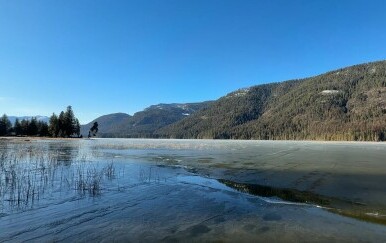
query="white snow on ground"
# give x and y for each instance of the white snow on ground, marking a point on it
(330, 91)
(238, 93)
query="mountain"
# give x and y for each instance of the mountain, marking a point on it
(143, 123)
(345, 104)
(107, 123)
(39, 118)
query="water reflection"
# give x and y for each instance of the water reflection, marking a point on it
(290, 195)
(335, 205)
(65, 153)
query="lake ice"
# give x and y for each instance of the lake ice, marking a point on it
(174, 190)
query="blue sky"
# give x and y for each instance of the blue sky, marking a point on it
(105, 56)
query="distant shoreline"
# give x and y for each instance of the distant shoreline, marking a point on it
(36, 138)
(170, 139)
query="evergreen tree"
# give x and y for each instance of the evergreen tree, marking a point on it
(17, 128)
(69, 122)
(66, 125)
(93, 130)
(5, 125)
(24, 126)
(53, 127)
(61, 125)
(33, 127)
(3, 128)
(77, 127)
(43, 129)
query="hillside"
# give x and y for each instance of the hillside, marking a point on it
(107, 123)
(345, 104)
(143, 123)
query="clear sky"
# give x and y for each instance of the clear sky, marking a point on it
(103, 56)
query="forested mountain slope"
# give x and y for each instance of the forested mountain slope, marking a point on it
(107, 123)
(143, 123)
(346, 104)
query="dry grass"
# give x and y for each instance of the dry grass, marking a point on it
(28, 173)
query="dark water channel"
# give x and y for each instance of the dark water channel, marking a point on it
(180, 191)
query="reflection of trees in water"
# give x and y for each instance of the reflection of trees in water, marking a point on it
(65, 153)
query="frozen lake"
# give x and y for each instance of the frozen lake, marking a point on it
(191, 190)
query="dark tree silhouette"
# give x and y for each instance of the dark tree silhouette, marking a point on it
(66, 125)
(5, 125)
(17, 128)
(53, 128)
(93, 130)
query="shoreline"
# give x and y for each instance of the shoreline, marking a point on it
(196, 139)
(37, 138)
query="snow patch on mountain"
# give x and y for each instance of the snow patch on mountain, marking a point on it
(331, 91)
(238, 93)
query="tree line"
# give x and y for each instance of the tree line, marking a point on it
(297, 110)
(64, 125)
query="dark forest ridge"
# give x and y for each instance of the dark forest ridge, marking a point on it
(345, 104)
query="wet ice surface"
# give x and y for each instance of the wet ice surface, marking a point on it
(166, 190)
